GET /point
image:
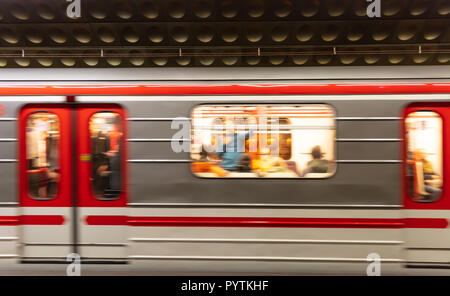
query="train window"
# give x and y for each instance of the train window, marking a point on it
(106, 139)
(263, 141)
(424, 155)
(42, 152)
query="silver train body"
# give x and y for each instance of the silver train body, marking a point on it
(366, 185)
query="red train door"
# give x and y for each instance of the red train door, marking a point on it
(426, 194)
(45, 178)
(72, 185)
(102, 187)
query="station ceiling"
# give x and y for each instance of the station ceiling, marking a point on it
(222, 33)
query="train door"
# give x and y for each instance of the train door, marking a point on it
(426, 195)
(72, 186)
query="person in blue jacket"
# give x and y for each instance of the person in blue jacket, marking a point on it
(232, 152)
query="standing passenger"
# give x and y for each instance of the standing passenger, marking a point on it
(232, 153)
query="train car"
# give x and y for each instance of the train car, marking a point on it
(127, 172)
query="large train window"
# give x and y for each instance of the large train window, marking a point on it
(42, 153)
(263, 141)
(106, 138)
(424, 155)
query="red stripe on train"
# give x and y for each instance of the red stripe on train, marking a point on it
(32, 220)
(42, 220)
(426, 223)
(106, 220)
(231, 222)
(9, 221)
(268, 222)
(357, 88)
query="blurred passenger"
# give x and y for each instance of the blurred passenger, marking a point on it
(33, 136)
(208, 161)
(52, 156)
(244, 164)
(232, 154)
(42, 156)
(113, 154)
(317, 164)
(428, 170)
(100, 162)
(431, 179)
(268, 163)
(208, 164)
(410, 172)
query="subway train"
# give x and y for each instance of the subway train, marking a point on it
(295, 171)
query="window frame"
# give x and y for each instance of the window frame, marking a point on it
(122, 143)
(58, 188)
(405, 157)
(287, 104)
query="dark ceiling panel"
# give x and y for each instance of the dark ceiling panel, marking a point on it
(176, 33)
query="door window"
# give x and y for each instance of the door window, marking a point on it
(106, 138)
(424, 155)
(42, 154)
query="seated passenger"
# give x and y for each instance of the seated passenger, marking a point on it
(244, 164)
(207, 164)
(317, 164)
(278, 165)
(430, 177)
(428, 170)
